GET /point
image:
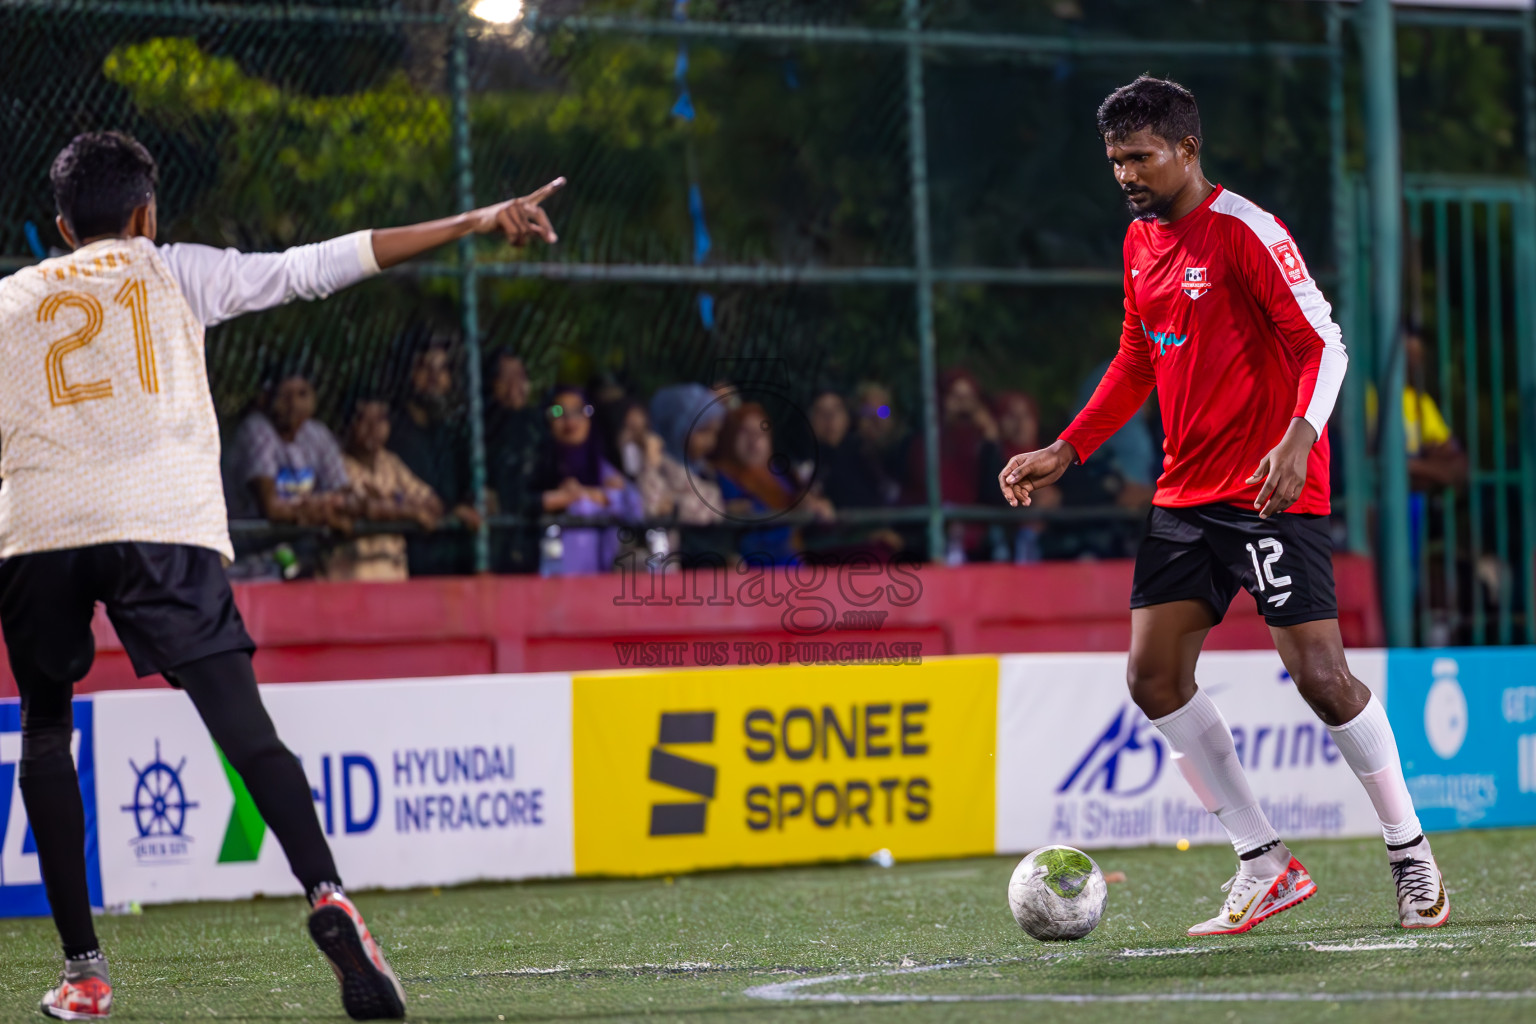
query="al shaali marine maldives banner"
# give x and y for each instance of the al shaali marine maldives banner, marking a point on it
(417, 782)
(1079, 764)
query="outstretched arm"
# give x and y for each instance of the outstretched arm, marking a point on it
(221, 284)
(521, 219)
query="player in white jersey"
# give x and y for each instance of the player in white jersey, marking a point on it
(111, 492)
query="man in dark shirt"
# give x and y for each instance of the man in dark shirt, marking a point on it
(514, 430)
(433, 441)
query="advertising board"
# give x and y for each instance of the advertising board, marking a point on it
(1465, 721)
(1079, 764)
(780, 765)
(415, 782)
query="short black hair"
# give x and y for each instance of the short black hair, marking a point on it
(1166, 108)
(300, 363)
(366, 396)
(99, 178)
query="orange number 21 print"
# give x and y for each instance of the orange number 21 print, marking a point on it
(134, 297)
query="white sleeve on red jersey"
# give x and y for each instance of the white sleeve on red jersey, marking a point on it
(221, 284)
(1270, 260)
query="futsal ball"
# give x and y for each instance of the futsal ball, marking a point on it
(1057, 893)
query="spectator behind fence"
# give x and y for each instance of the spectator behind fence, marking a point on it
(514, 435)
(380, 488)
(1128, 464)
(434, 444)
(1018, 429)
(846, 476)
(283, 465)
(969, 463)
(882, 439)
(757, 489)
(688, 418)
(1122, 473)
(641, 455)
(1436, 459)
(574, 479)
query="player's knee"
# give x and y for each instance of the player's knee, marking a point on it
(45, 751)
(1332, 691)
(1156, 688)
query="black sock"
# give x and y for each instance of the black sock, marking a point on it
(1261, 851)
(51, 793)
(223, 687)
(1395, 847)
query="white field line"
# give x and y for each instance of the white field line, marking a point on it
(1369, 947)
(792, 992)
(1180, 951)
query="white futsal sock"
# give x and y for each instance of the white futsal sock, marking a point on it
(1202, 748)
(1367, 743)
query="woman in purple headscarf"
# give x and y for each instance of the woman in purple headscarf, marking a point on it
(576, 480)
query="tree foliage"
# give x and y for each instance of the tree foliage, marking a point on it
(273, 133)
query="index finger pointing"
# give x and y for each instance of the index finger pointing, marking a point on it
(544, 192)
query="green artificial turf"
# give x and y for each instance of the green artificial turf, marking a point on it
(690, 948)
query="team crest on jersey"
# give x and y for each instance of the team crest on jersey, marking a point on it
(1290, 261)
(1196, 283)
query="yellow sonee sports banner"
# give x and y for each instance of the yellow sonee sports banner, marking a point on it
(781, 765)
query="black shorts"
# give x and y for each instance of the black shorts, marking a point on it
(1210, 552)
(170, 604)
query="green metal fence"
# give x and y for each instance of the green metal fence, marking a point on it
(857, 189)
(1473, 245)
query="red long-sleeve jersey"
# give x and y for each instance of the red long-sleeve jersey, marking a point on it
(1222, 317)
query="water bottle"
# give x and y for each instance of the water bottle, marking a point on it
(287, 561)
(954, 554)
(659, 543)
(997, 536)
(551, 553)
(1027, 551)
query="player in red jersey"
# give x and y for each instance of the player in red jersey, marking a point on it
(1223, 317)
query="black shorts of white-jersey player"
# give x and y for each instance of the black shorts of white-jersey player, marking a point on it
(175, 614)
(1193, 561)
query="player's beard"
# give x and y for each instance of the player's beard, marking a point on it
(1159, 205)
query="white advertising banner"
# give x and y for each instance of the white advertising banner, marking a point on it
(1079, 764)
(415, 782)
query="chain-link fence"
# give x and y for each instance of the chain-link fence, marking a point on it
(775, 199)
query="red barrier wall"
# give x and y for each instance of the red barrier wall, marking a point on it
(464, 625)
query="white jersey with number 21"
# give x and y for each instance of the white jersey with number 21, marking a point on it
(107, 427)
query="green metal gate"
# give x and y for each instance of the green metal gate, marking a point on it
(1470, 257)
